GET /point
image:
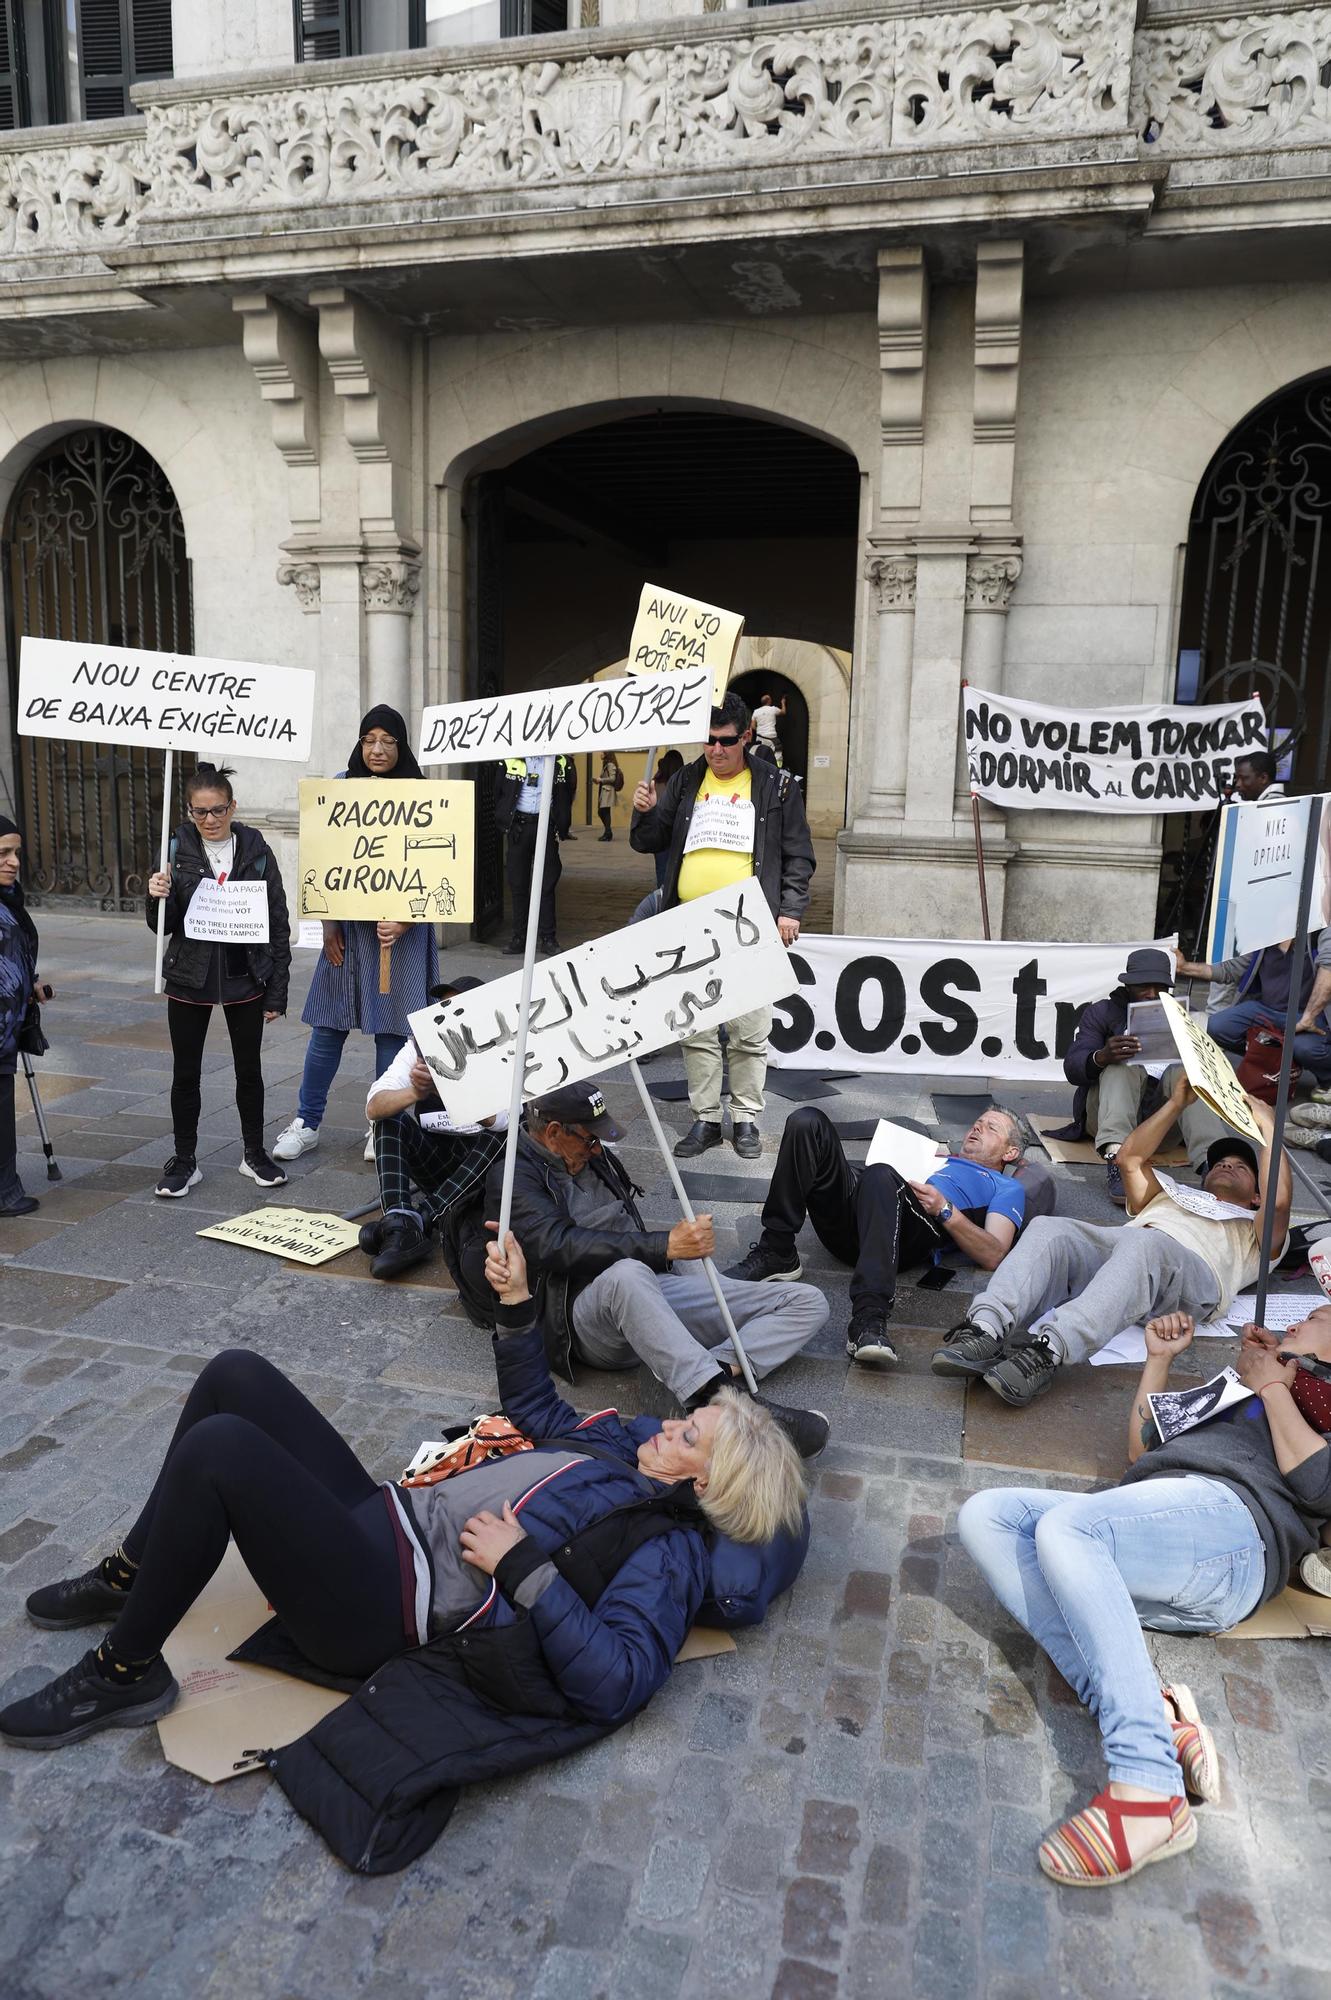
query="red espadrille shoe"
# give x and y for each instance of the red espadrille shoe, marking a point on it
(1194, 1743)
(1090, 1850)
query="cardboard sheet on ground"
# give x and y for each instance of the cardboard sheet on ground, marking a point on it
(1258, 870)
(640, 988)
(628, 714)
(1081, 1152)
(164, 701)
(1296, 1614)
(912, 1155)
(1210, 1072)
(300, 1234)
(386, 852)
(228, 913)
(671, 632)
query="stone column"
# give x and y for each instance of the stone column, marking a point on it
(991, 578)
(388, 593)
(890, 574)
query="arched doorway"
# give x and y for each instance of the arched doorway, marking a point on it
(1255, 615)
(95, 550)
(733, 509)
(793, 728)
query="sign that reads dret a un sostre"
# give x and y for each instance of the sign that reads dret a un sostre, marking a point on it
(638, 989)
(392, 851)
(1120, 760)
(164, 701)
(597, 715)
(671, 631)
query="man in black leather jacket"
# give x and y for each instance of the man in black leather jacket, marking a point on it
(604, 1283)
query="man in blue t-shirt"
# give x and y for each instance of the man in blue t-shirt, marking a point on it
(871, 1218)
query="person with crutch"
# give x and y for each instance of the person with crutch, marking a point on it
(18, 997)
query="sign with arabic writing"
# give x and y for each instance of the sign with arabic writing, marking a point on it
(638, 989)
(555, 722)
(387, 850)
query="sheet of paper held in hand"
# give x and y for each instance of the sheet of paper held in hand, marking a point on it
(912, 1155)
(1210, 1073)
(228, 913)
(303, 1235)
(1198, 1202)
(1148, 1022)
(639, 989)
(1179, 1410)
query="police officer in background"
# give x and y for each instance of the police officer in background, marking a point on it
(517, 801)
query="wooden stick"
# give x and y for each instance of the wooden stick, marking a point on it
(979, 863)
(386, 968)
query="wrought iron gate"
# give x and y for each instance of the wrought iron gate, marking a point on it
(95, 551)
(1256, 612)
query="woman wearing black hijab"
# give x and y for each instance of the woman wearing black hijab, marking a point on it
(345, 992)
(18, 976)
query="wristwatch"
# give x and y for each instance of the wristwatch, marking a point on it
(945, 1212)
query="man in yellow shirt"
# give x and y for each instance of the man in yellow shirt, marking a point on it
(722, 819)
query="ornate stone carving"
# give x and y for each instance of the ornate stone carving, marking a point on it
(990, 582)
(1252, 82)
(1027, 71)
(304, 580)
(892, 578)
(390, 586)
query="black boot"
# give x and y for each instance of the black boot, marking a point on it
(403, 1245)
(701, 1135)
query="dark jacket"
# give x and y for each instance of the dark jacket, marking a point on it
(16, 977)
(782, 845)
(563, 1258)
(509, 778)
(1099, 1023)
(216, 973)
(379, 1777)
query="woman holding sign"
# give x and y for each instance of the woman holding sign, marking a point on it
(222, 952)
(369, 976)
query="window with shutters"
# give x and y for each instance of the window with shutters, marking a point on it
(328, 29)
(13, 69)
(121, 43)
(32, 64)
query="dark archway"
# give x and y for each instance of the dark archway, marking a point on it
(1256, 609)
(755, 515)
(95, 550)
(794, 725)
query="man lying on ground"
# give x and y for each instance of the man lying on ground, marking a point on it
(870, 1218)
(1070, 1286)
(608, 1292)
(416, 1142)
(549, 1590)
(1197, 1534)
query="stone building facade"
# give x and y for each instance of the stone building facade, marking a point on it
(916, 333)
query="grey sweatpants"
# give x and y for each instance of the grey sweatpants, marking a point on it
(630, 1314)
(1113, 1110)
(1083, 1282)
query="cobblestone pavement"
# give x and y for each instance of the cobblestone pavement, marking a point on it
(846, 1805)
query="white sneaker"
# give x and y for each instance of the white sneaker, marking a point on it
(297, 1139)
(1315, 1572)
(369, 1145)
(1311, 1116)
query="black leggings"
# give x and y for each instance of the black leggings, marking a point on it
(189, 1030)
(251, 1457)
(10, 1184)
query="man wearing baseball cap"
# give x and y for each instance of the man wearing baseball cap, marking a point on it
(1112, 1084)
(612, 1292)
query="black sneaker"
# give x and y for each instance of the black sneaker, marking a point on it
(260, 1168)
(1114, 1187)
(403, 1245)
(548, 946)
(515, 947)
(808, 1430)
(967, 1350)
(371, 1238)
(1026, 1371)
(765, 1266)
(701, 1135)
(81, 1702)
(867, 1341)
(178, 1176)
(79, 1600)
(747, 1139)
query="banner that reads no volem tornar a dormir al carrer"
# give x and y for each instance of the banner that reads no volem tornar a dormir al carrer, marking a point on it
(1024, 754)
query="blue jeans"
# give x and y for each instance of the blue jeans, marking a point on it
(322, 1056)
(1084, 1572)
(1229, 1026)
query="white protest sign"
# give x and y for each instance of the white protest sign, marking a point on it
(228, 913)
(638, 989)
(727, 824)
(1258, 871)
(597, 715)
(163, 701)
(1210, 1071)
(1117, 760)
(1196, 1201)
(912, 1155)
(953, 1007)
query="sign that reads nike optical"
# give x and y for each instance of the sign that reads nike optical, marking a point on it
(1105, 760)
(1259, 871)
(164, 701)
(596, 715)
(951, 1007)
(639, 989)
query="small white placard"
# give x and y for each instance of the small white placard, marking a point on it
(913, 1156)
(228, 913)
(310, 936)
(822, 763)
(1198, 1202)
(724, 823)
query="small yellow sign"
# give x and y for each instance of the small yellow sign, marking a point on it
(1210, 1072)
(298, 1233)
(387, 851)
(671, 632)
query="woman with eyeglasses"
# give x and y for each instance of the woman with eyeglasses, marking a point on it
(247, 981)
(344, 994)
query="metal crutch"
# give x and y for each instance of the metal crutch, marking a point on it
(53, 1172)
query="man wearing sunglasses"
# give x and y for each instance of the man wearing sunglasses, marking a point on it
(727, 784)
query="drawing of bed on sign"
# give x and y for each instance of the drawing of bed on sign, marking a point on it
(636, 990)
